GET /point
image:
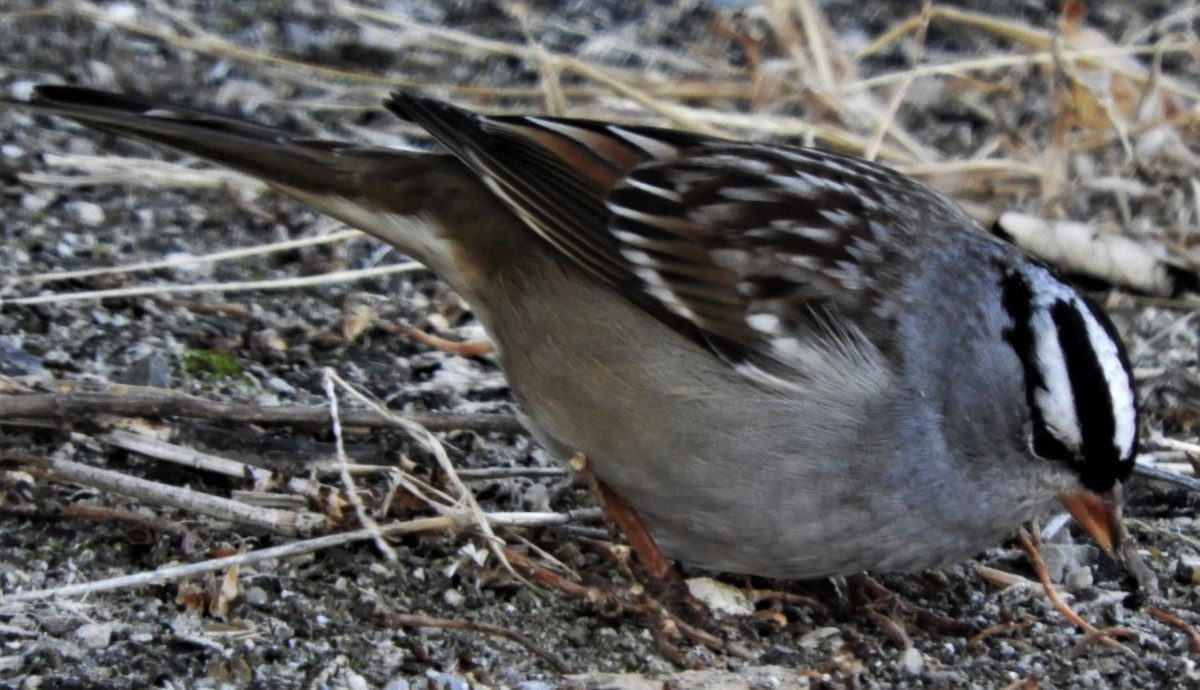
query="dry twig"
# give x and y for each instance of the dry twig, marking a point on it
(1093, 633)
(83, 402)
(1177, 623)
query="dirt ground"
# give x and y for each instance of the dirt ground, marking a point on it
(1110, 143)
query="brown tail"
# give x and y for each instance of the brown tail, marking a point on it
(276, 156)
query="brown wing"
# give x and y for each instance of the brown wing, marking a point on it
(741, 246)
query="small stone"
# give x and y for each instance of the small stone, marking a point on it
(16, 362)
(22, 89)
(1063, 558)
(151, 371)
(912, 662)
(453, 598)
(87, 212)
(353, 681)
(257, 596)
(724, 601)
(1187, 569)
(279, 386)
(1079, 579)
(95, 635)
(813, 638)
(477, 555)
(36, 201)
(446, 681)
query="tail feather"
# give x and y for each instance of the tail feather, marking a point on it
(274, 155)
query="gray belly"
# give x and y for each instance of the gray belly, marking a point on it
(731, 475)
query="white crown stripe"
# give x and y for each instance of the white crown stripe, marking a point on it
(1056, 398)
(1120, 390)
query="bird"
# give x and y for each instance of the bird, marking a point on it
(787, 361)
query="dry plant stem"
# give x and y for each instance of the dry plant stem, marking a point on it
(271, 499)
(997, 629)
(602, 600)
(1030, 683)
(1098, 636)
(760, 595)
(403, 620)
(893, 107)
(678, 115)
(241, 253)
(871, 595)
(161, 450)
(545, 576)
(1037, 39)
(360, 510)
(1068, 70)
(82, 402)
(1190, 483)
(1021, 33)
(433, 524)
(1177, 623)
(867, 594)
(287, 523)
(469, 349)
(331, 278)
(1035, 559)
(104, 514)
(431, 444)
(889, 626)
(1004, 580)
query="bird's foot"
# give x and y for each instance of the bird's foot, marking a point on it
(653, 571)
(891, 612)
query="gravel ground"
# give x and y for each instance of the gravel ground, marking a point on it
(334, 618)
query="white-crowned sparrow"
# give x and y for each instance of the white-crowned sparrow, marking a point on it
(790, 362)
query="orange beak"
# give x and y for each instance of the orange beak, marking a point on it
(1099, 514)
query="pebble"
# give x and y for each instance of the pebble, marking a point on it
(814, 638)
(721, 599)
(912, 662)
(87, 212)
(152, 371)
(445, 681)
(1187, 570)
(279, 386)
(16, 362)
(36, 201)
(257, 596)
(95, 635)
(453, 598)
(1079, 579)
(1063, 558)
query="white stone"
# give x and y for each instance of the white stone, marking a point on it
(722, 599)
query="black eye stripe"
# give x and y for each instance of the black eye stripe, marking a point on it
(1094, 405)
(1017, 299)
